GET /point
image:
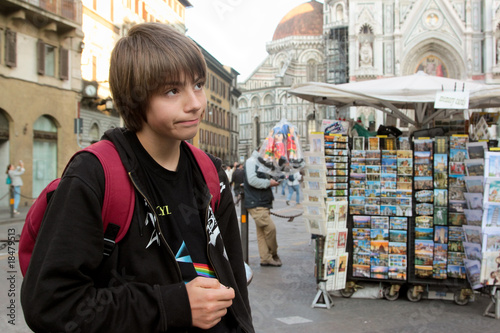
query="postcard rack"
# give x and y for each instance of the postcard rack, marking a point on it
(380, 209)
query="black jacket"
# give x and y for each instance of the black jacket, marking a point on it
(257, 186)
(69, 287)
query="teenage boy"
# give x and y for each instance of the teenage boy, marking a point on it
(180, 266)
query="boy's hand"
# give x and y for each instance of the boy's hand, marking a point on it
(209, 300)
(274, 183)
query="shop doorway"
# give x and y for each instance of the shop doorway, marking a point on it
(44, 153)
(4, 156)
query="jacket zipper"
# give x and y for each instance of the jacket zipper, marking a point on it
(210, 260)
(157, 227)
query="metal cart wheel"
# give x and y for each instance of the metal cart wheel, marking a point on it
(347, 292)
(460, 298)
(388, 296)
(413, 294)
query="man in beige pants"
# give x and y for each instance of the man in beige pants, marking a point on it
(259, 201)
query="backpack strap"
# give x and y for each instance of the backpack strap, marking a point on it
(119, 194)
(209, 172)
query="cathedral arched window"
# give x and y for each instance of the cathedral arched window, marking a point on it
(312, 70)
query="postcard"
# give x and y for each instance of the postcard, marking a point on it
(380, 222)
(473, 271)
(457, 206)
(491, 241)
(474, 200)
(456, 234)
(493, 164)
(379, 234)
(474, 184)
(361, 247)
(456, 258)
(439, 270)
(491, 216)
(389, 154)
(373, 143)
(441, 180)
(424, 209)
(422, 157)
(388, 143)
(459, 141)
(358, 143)
(456, 272)
(489, 269)
(423, 183)
(456, 193)
(398, 248)
(423, 170)
(477, 149)
(361, 221)
(440, 198)
(361, 233)
(423, 145)
(315, 225)
(404, 143)
(397, 236)
(404, 154)
(458, 155)
(379, 247)
(362, 271)
(440, 163)
(457, 181)
(492, 190)
(473, 216)
(457, 168)
(424, 233)
(457, 219)
(424, 222)
(423, 271)
(473, 234)
(456, 246)
(398, 223)
(472, 251)
(475, 167)
(440, 234)
(441, 144)
(440, 215)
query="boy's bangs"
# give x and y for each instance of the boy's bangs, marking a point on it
(179, 67)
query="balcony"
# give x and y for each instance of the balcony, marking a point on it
(67, 14)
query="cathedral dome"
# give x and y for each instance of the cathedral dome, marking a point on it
(303, 20)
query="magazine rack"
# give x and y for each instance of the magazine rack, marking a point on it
(495, 302)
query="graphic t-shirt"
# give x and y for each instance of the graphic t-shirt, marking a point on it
(173, 199)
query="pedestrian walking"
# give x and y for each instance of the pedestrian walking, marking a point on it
(238, 179)
(180, 266)
(259, 201)
(294, 186)
(16, 181)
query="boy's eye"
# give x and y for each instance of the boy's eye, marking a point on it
(171, 92)
(199, 85)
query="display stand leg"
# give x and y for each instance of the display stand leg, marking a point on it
(322, 298)
(495, 302)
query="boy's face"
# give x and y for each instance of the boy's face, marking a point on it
(175, 113)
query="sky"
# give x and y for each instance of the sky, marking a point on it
(235, 32)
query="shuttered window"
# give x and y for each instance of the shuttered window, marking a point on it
(40, 57)
(10, 48)
(63, 64)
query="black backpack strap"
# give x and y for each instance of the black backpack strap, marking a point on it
(110, 238)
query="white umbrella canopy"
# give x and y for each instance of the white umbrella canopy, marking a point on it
(417, 91)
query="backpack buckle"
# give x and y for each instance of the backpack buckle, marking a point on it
(109, 246)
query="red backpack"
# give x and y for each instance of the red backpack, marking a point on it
(119, 198)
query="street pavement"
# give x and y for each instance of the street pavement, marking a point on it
(281, 298)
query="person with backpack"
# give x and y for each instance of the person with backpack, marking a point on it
(294, 186)
(179, 267)
(259, 201)
(16, 181)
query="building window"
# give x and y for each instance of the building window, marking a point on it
(312, 70)
(46, 59)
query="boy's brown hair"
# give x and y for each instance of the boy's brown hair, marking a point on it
(144, 62)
